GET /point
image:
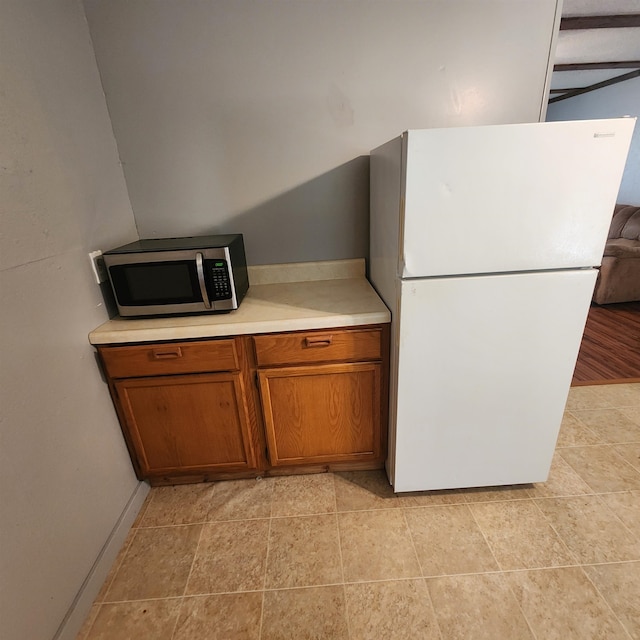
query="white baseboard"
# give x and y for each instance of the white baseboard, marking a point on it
(90, 588)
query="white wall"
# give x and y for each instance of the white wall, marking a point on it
(611, 102)
(258, 117)
(65, 476)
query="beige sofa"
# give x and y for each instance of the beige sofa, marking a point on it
(619, 277)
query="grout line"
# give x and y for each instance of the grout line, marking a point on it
(433, 608)
(266, 565)
(606, 601)
(515, 599)
(560, 538)
(611, 563)
(484, 537)
(153, 599)
(626, 462)
(375, 581)
(621, 458)
(193, 561)
(524, 615)
(422, 576)
(634, 536)
(413, 544)
(203, 522)
(186, 584)
(344, 584)
(602, 443)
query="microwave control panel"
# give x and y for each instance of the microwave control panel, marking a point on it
(220, 284)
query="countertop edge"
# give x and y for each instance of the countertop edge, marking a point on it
(105, 338)
(273, 308)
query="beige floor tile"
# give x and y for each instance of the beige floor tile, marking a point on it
(630, 452)
(143, 619)
(303, 495)
(241, 499)
(477, 607)
(303, 551)
(591, 531)
(448, 541)
(376, 545)
(574, 433)
(230, 616)
(396, 610)
(602, 468)
(231, 557)
(431, 498)
(562, 481)
(561, 604)
(496, 494)
(588, 397)
(610, 425)
(626, 506)
(621, 395)
(357, 490)
(620, 586)
(315, 613)
(156, 565)
(519, 535)
(182, 504)
(633, 413)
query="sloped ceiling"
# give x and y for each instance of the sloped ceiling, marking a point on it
(598, 45)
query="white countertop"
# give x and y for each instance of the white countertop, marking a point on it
(293, 297)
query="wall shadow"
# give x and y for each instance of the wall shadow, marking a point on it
(325, 218)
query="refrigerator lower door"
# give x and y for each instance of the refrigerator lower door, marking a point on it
(484, 366)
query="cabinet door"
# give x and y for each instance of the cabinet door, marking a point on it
(187, 423)
(321, 414)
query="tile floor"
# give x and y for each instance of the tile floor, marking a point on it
(339, 556)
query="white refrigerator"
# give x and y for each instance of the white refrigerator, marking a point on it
(483, 244)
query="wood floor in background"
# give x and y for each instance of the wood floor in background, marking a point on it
(610, 349)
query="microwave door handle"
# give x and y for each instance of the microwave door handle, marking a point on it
(201, 282)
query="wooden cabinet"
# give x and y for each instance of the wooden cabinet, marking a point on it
(318, 412)
(249, 405)
(184, 408)
(190, 423)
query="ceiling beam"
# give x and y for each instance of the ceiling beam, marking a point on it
(587, 66)
(600, 22)
(598, 85)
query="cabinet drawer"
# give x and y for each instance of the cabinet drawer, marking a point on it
(318, 346)
(170, 358)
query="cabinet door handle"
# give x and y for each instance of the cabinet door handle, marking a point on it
(318, 341)
(167, 354)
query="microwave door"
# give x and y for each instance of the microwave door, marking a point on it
(157, 285)
(201, 281)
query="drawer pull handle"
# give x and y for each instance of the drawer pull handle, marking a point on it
(319, 341)
(167, 354)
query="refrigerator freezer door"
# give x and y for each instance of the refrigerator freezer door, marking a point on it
(484, 369)
(511, 197)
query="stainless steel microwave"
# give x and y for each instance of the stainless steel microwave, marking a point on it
(168, 276)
